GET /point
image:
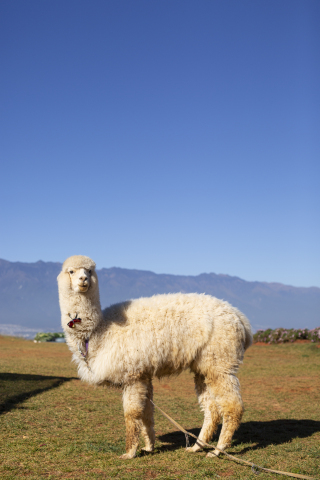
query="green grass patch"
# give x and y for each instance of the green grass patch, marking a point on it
(52, 426)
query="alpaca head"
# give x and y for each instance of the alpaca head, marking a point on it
(78, 275)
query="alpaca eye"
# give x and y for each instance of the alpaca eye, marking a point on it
(90, 272)
(71, 271)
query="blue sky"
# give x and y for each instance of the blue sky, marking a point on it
(174, 136)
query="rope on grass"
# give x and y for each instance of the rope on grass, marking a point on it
(232, 457)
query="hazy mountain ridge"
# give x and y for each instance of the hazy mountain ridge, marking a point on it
(29, 295)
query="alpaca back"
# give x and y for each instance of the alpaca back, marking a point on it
(161, 335)
(170, 329)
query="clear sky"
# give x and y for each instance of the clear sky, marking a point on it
(175, 136)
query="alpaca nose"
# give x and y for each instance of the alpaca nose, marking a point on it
(83, 278)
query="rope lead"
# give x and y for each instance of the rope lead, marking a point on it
(232, 457)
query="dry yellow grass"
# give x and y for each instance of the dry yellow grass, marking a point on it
(54, 426)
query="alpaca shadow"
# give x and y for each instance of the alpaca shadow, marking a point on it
(15, 388)
(260, 434)
(176, 440)
(274, 432)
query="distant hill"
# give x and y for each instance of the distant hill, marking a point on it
(29, 295)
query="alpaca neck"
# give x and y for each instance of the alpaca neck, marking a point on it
(87, 308)
(83, 302)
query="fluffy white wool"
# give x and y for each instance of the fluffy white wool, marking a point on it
(133, 341)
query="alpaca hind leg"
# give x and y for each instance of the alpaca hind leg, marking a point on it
(134, 401)
(211, 413)
(226, 390)
(148, 421)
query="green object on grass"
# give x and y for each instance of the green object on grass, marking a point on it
(285, 335)
(47, 337)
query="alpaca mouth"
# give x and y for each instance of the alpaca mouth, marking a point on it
(83, 288)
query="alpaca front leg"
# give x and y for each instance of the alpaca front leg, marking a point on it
(134, 403)
(132, 436)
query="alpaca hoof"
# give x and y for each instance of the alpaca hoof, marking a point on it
(147, 449)
(193, 449)
(213, 454)
(127, 456)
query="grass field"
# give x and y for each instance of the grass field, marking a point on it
(54, 426)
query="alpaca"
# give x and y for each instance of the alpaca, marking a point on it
(131, 342)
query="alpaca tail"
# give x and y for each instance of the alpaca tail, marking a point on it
(248, 332)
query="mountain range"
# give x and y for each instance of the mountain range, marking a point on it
(29, 296)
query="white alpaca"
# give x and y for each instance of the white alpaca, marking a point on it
(129, 343)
